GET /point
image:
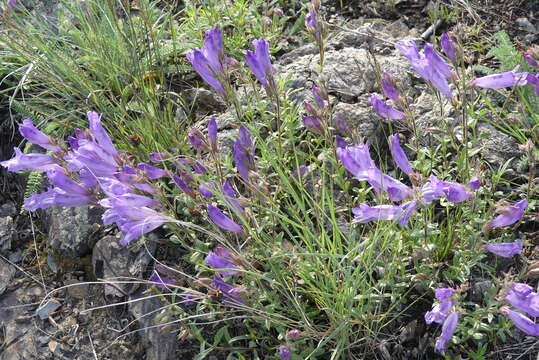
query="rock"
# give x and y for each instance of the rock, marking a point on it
(8, 209)
(6, 233)
(480, 289)
(205, 100)
(110, 260)
(77, 289)
(525, 25)
(7, 272)
(46, 309)
(159, 343)
(73, 230)
(359, 118)
(498, 147)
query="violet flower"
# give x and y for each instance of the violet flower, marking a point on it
(135, 222)
(208, 60)
(448, 47)
(182, 185)
(448, 328)
(284, 353)
(159, 156)
(293, 334)
(506, 250)
(388, 87)
(529, 56)
(401, 213)
(196, 142)
(205, 191)
(55, 197)
(231, 294)
(59, 179)
(32, 134)
(523, 298)
(502, 80)
(220, 258)
(475, 183)
(260, 63)
(231, 196)
(385, 110)
(312, 123)
(319, 95)
(398, 155)
(441, 310)
(36, 162)
(509, 215)
(161, 282)
(212, 133)
(99, 134)
(522, 322)
(340, 142)
(430, 66)
(223, 221)
(152, 172)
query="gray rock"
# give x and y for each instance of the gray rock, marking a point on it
(159, 343)
(6, 233)
(498, 147)
(8, 209)
(7, 272)
(359, 118)
(110, 260)
(525, 24)
(73, 230)
(47, 308)
(480, 289)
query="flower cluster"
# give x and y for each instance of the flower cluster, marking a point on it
(357, 160)
(443, 313)
(522, 297)
(315, 120)
(223, 262)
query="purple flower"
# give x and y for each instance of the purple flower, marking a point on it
(440, 311)
(523, 298)
(10, 4)
(182, 185)
(388, 86)
(448, 328)
(509, 215)
(284, 353)
(435, 188)
(300, 172)
(36, 162)
(385, 110)
(32, 134)
(208, 60)
(112, 187)
(430, 66)
(503, 80)
(365, 213)
(505, 250)
(130, 200)
(340, 142)
(357, 160)
(475, 183)
(58, 177)
(448, 46)
(398, 155)
(55, 197)
(159, 156)
(231, 196)
(205, 191)
(152, 172)
(310, 21)
(212, 133)
(161, 282)
(223, 221)
(221, 258)
(231, 294)
(196, 142)
(312, 123)
(455, 193)
(528, 55)
(135, 222)
(243, 153)
(260, 63)
(522, 322)
(99, 133)
(319, 95)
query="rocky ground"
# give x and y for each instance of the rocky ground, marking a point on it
(52, 265)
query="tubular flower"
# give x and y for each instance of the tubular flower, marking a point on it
(475, 183)
(389, 88)
(231, 294)
(212, 133)
(448, 328)
(36, 162)
(529, 56)
(260, 63)
(284, 353)
(522, 322)
(398, 155)
(312, 123)
(223, 221)
(32, 134)
(448, 47)
(161, 282)
(509, 215)
(220, 259)
(522, 297)
(401, 213)
(442, 309)
(506, 250)
(208, 61)
(385, 110)
(243, 153)
(502, 80)
(56, 197)
(430, 66)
